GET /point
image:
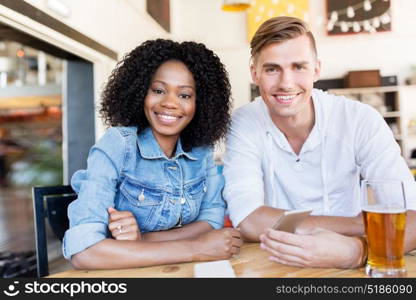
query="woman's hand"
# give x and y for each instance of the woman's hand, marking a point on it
(123, 225)
(217, 244)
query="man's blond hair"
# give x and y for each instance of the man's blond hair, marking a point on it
(277, 30)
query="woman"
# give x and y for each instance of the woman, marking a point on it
(151, 182)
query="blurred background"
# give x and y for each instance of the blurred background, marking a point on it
(56, 55)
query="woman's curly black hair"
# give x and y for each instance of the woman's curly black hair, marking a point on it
(127, 87)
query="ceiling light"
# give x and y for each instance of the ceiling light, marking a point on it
(235, 5)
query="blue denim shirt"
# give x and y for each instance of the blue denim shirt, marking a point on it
(130, 172)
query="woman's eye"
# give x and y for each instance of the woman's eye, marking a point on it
(184, 96)
(158, 91)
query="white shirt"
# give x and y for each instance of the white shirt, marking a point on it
(348, 139)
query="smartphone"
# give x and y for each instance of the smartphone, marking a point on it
(289, 220)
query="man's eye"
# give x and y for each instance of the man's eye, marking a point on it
(300, 67)
(272, 70)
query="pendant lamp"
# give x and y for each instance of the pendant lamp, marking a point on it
(235, 5)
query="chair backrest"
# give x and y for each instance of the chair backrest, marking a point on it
(50, 202)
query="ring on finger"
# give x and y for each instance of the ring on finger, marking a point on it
(120, 228)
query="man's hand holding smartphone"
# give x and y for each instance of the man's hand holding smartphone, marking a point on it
(289, 220)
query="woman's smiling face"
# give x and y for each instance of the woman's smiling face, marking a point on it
(170, 102)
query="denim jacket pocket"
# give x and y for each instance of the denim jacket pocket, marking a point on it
(194, 192)
(144, 201)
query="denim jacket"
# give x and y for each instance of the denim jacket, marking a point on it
(129, 171)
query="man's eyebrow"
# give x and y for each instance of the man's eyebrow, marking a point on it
(301, 63)
(298, 63)
(268, 65)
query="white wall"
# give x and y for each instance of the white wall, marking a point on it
(120, 25)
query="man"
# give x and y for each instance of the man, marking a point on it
(296, 147)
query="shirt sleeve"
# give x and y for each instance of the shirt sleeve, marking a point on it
(244, 186)
(378, 154)
(96, 189)
(212, 208)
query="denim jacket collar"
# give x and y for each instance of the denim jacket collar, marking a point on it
(150, 148)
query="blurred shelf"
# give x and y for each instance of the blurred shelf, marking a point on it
(30, 90)
(365, 90)
(30, 102)
(391, 114)
(20, 97)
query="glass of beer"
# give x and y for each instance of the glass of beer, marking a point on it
(384, 213)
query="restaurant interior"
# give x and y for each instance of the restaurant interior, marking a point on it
(56, 55)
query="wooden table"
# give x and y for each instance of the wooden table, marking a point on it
(250, 262)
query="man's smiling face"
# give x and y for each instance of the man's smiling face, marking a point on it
(285, 73)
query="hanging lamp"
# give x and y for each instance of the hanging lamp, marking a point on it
(235, 5)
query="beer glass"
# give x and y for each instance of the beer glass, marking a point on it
(384, 212)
